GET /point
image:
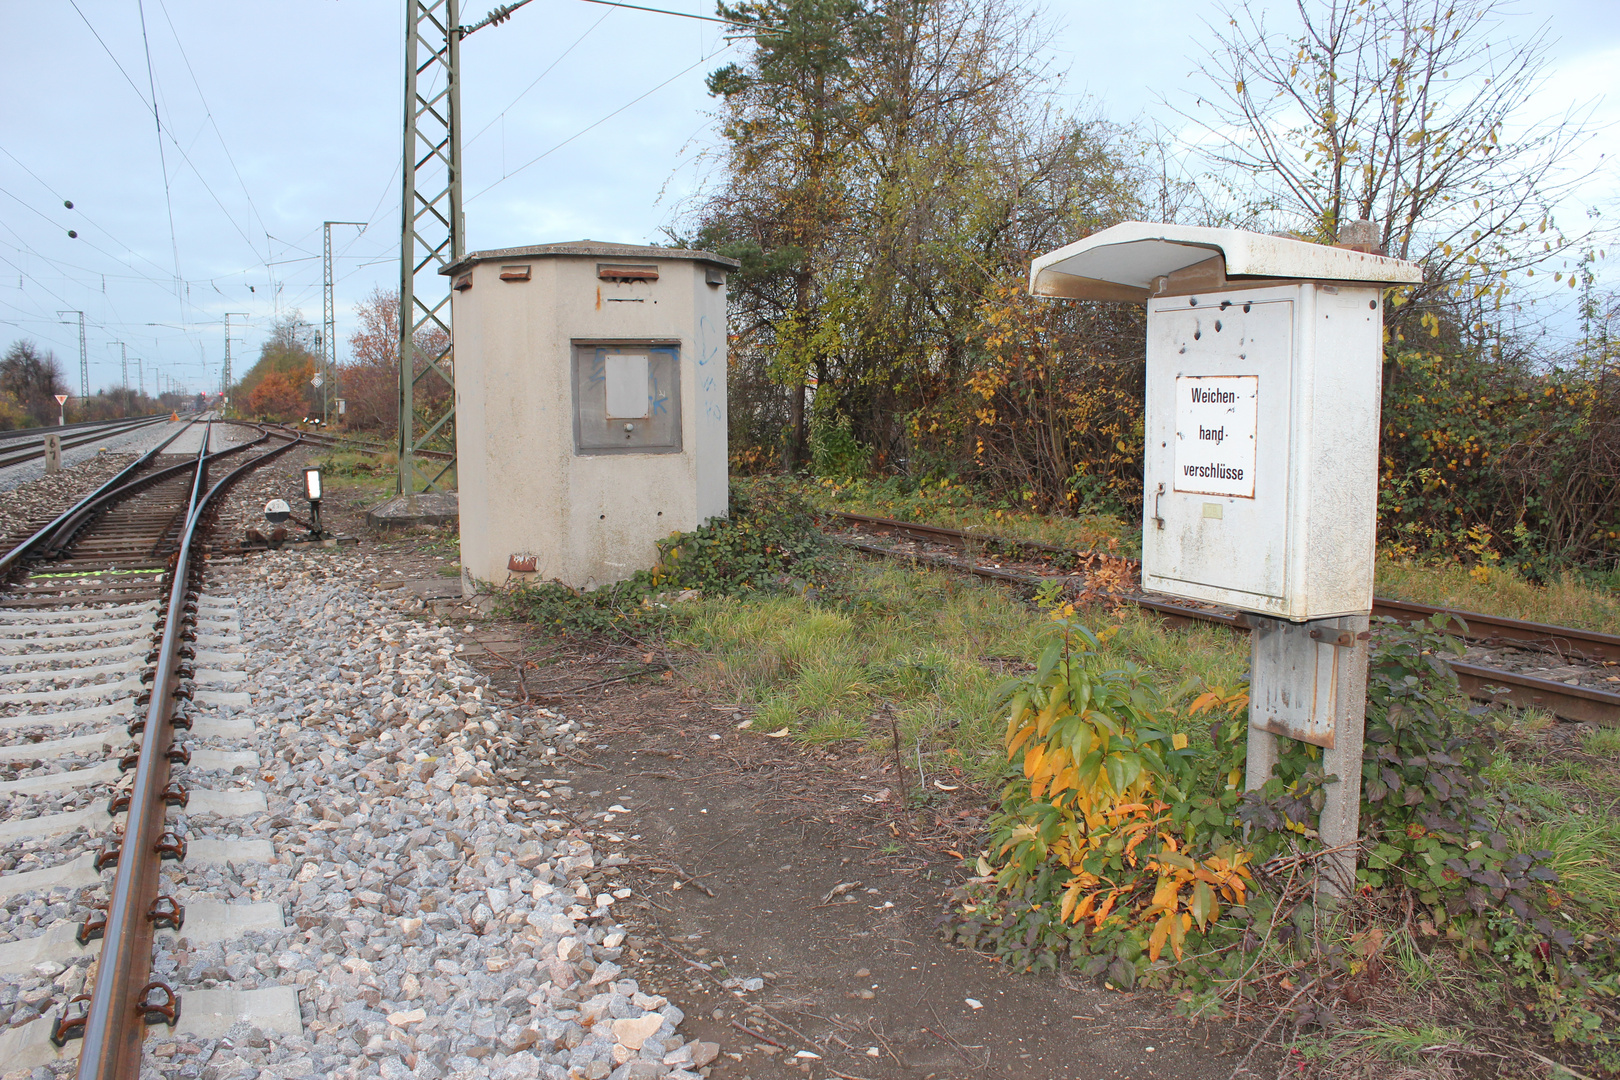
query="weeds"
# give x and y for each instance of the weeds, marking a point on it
(767, 543)
(1077, 869)
(1569, 600)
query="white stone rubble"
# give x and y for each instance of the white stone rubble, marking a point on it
(435, 928)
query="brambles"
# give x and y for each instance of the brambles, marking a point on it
(767, 543)
(1123, 851)
(1108, 845)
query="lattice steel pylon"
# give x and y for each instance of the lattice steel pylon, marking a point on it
(432, 236)
(84, 357)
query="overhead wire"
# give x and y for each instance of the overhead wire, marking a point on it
(524, 92)
(163, 160)
(79, 210)
(209, 113)
(598, 123)
(183, 155)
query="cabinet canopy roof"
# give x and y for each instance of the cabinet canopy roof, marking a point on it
(1124, 262)
(590, 249)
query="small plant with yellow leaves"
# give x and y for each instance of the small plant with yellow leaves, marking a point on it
(1103, 833)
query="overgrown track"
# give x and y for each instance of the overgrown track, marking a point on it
(1028, 563)
(30, 446)
(104, 635)
(362, 446)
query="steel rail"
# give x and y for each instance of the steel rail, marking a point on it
(36, 449)
(10, 559)
(124, 997)
(359, 446)
(1480, 683)
(1474, 625)
(15, 434)
(68, 529)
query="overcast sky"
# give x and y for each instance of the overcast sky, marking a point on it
(580, 121)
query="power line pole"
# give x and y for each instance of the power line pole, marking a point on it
(140, 375)
(123, 351)
(84, 358)
(329, 348)
(225, 374)
(430, 216)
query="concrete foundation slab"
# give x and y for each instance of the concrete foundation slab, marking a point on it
(209, 1014)
(428, 508)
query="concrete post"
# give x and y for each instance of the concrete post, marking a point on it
(53, 453)
(1308, 681)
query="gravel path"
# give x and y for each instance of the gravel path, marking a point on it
(436, 928)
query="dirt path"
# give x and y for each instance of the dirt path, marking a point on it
(862, 979)
(768, 966)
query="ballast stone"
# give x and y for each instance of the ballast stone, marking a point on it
(483, 975)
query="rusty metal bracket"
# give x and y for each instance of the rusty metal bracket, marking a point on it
(111, 848)
(94, 925)
(158, 1004)
(168, 912)
(119, 803)
(130, 760)
(180, 753)
(71, 1020)
(1344, 639)
(175, 794)
(181, 722)
(171, 845)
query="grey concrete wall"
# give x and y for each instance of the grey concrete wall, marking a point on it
(589, 519)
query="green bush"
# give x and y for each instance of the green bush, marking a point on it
(1436, 836)
(767, 542)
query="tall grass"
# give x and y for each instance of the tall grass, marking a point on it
(1569, 601)
(923, 649)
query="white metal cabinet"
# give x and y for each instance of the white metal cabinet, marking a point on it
(1261, 448)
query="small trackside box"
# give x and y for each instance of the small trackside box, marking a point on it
(1264, 365)
(590, 407)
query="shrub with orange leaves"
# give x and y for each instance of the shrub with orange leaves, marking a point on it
(1107, 833)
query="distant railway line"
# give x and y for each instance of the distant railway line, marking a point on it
(17, 447)
(1516, 648)
(1568, 671)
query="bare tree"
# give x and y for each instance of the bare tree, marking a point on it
(1418, 114)
(31, 379)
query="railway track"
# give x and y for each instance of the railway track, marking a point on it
(114, 767)
(31, 447)
(1591, 654)
(360, 445)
